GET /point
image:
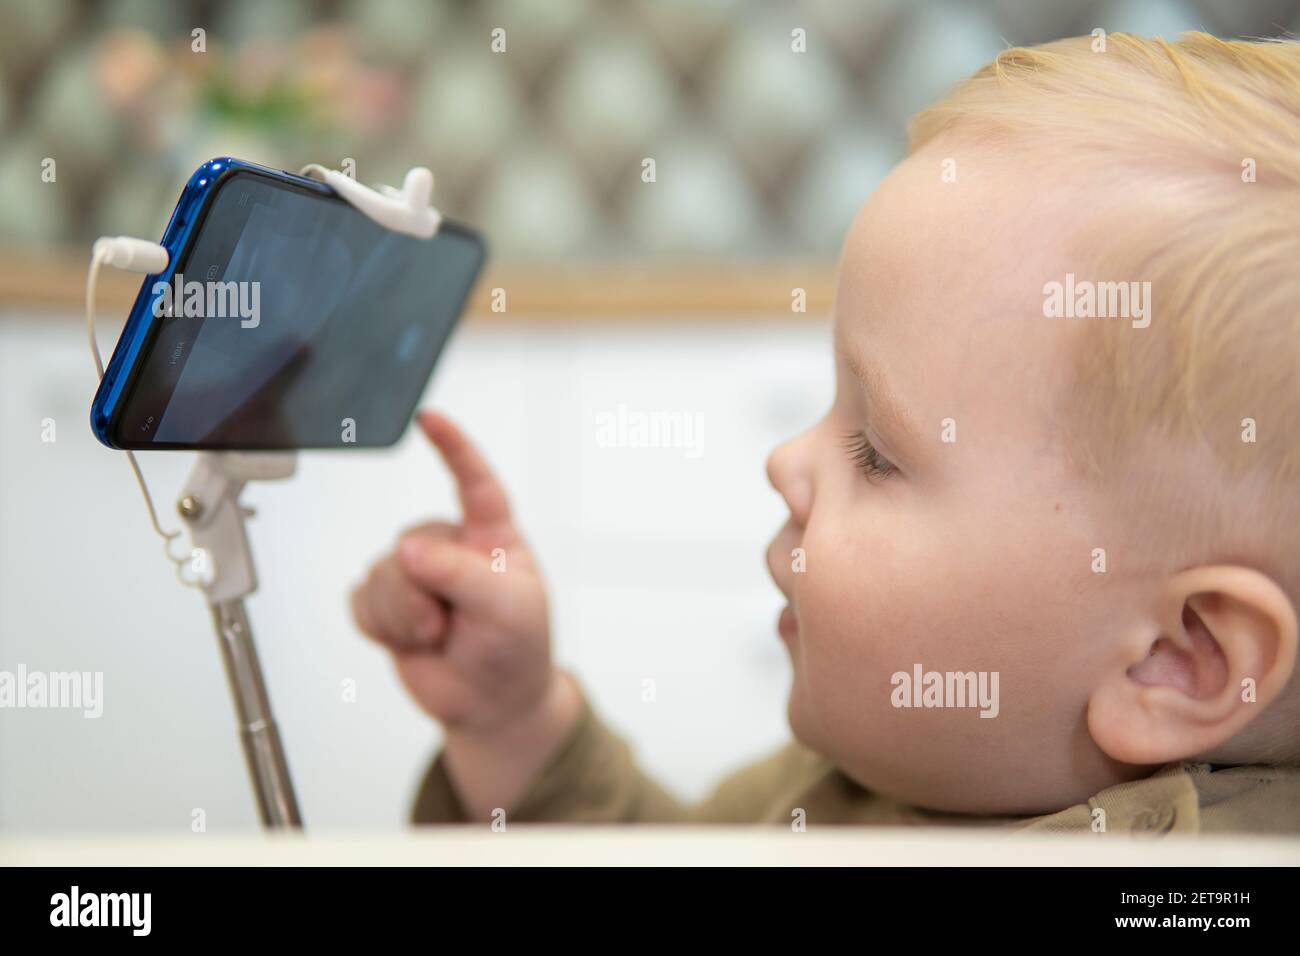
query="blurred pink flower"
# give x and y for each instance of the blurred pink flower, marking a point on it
(128, 63)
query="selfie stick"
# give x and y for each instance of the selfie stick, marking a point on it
(211, 507)
(216, 519)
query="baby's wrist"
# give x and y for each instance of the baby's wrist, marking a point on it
(546, 722)
(492, 768)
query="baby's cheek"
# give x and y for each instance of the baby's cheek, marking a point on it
(856, 611)
(859, 619)
(857, 581)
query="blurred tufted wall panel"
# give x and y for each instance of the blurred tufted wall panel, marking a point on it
(760, 150)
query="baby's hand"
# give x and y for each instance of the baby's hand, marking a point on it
(462, 606)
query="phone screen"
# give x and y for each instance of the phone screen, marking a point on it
(296, 322)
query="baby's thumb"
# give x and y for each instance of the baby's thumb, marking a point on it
(458, 575)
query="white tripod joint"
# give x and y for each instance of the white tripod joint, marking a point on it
(210, 506)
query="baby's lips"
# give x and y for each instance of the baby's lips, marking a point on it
(779, 557)
(787, 624)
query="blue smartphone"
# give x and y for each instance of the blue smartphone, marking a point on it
(285, 319)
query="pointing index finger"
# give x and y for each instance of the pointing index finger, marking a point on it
(481, 497)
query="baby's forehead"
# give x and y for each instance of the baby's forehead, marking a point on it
(942, 274)
(957, 233)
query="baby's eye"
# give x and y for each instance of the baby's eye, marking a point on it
(873, 465)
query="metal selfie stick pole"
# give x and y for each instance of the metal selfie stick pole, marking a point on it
(210, 505)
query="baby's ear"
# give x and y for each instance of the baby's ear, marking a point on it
(1223, 651)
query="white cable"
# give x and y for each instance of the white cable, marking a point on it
(133, 255)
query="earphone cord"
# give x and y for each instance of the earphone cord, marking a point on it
(97, 259)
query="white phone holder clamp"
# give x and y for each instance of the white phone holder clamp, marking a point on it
(216, 519)
(402, 210)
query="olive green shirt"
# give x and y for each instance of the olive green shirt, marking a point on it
(593, 778)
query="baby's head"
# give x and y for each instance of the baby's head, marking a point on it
(1065, 442)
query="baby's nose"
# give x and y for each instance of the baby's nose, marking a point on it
(788, 475)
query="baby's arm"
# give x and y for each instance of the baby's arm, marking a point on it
(462, 609)
(593, 777)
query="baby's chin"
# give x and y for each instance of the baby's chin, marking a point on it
(956, 780)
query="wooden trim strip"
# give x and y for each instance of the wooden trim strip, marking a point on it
(56, 282)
